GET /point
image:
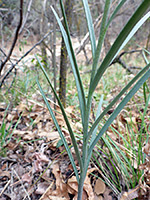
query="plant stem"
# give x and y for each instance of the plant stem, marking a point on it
(80, 186)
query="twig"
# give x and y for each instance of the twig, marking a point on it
(129, 52)
(15, 73)
(5, 54)
(26, 17)
(44, 195)
(4, 188)
(22, 185)
(15, 38)
(122, 63)
(86, 37)
(12, 67)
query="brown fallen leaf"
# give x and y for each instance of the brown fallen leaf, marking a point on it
(40, 158)
(41, 188)
(50, 135)
(27, 178)
(99, 187)
(61, 187)
(107, 193)
(4, 173)
(27, 135)
(98, 197)
(131, 194)
(146, 148)
(87, 188)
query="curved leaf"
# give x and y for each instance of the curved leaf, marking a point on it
(75, 145)
(120, 107)
(73, 62)
(59, 131)
(128, 31)
(90, 26)
(117, 98)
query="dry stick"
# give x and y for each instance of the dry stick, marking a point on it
(12, 67)
(4, 188)
(26, 17)
(122, 63)
(27, 195)
(86, 37)
(43, 173)
(15, 38)
(14, 72)
(119, 60)
(54, 53)
(44, 194)
(5, 55)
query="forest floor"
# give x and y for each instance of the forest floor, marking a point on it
(34, 163)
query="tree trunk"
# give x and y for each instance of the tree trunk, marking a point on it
(63, 57)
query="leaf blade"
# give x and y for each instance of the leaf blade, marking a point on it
(75, 145)
(90, 26)
(121, 40)
(59, 131)
(119, 107)
(74, 65)
(118, 97)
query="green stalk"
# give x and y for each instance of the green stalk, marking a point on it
(140, 153)
(115, 12)
(89, 101)
(66, 35)
(128, 31)
(90, 26)
(80, 186)
(59, 131)
(95, 63)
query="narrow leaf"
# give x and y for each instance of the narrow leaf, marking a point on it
(101, 38)
(76, 148)
(97, 115)
(73, 62)
(59, 131)
(115, 12)
(120, 107)
(118, 97)
(90, 26)
(95, 62)
(131, 27)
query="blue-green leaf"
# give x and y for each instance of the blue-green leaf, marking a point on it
(90, 26)
(128, 31)
(120, 107)
(73, 62)
(76, 148)
(59, 131)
